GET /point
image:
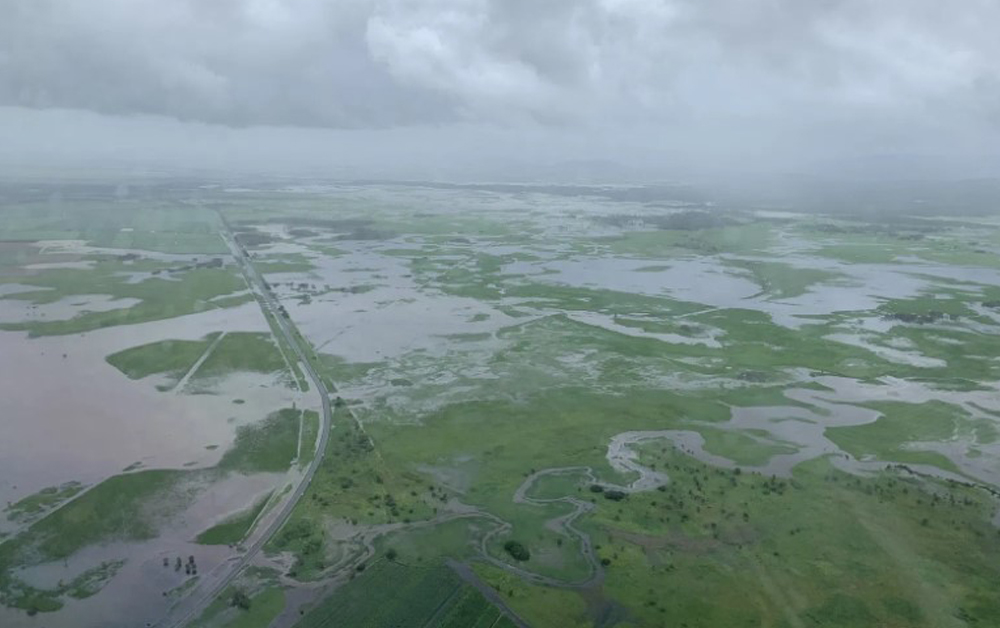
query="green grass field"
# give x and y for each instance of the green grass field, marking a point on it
(269, 445)
(407, 597)
(171, 357)
(160, 298)
(242, 351)
(42, 501)
(532, 329)
(235, 528)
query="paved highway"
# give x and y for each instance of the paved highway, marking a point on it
(270, 304)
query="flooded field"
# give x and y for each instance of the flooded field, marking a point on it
(76, 422)
(565, 393)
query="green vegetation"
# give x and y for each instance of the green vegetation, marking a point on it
(743, 449)
(530, 363)
(126, 507)
(41, 502)
(235, 608)
(266, 446)
(784, 281)
(171, 357)
(235, 528)
(407, 597)
(308, 436)
(517, 550)
(139, 223)
(538, 605)
(185, 293)
(905, 425)
(752, 238)
(91, 581)
(123, 507)
(242, 351)
(262, 609)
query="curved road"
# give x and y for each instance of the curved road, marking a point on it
(269, 303)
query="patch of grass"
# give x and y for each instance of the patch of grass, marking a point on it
(234, 529)
(122, 507)
(539, 606)
(307, 438)
(890, 438)
(160, 298)
(741, 448)
(242, 351)
(172, 357)
(133, 223)
(286, 263)
(755, 237)
(265, 606)
(769, 541)
(128, 507)
(266, 446)
(785, 281)
(44, 500)
(93, 580)
(408, 596)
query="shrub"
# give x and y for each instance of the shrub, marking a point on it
(517, 550)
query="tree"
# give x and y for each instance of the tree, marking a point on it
(517, 550)
(240, 600)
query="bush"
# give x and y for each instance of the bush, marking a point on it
(616, 496)
(240, 600)
(517, 550)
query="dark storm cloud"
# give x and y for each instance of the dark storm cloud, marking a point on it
(378, 63)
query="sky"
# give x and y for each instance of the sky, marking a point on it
(446, 87)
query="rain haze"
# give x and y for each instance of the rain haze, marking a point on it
(496, 88)
(499, 313)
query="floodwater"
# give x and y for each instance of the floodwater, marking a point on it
(805, 426)
(63, 386)
(18, 310)
(389, 316)
(69, 415)
(135, 595)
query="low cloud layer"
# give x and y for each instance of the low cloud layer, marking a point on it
(591, 63)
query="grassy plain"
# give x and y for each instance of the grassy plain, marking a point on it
(408, 596)
(160, 298)
(171, 357)
(235, 528)
(551, 389)
(575, 363)
(242, 351)
(267, 446)
(43, 501)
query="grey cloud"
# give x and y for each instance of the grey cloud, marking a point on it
(383, 63)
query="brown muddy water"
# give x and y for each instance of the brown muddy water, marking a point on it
(69, 415)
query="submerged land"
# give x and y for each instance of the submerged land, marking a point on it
(370, 404)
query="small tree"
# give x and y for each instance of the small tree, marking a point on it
(240, 600)
(517, 550)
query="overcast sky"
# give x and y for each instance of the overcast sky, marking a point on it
(441, 83)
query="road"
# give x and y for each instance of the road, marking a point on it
(271, 305)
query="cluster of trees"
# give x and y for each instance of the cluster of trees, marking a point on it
(612, 494)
